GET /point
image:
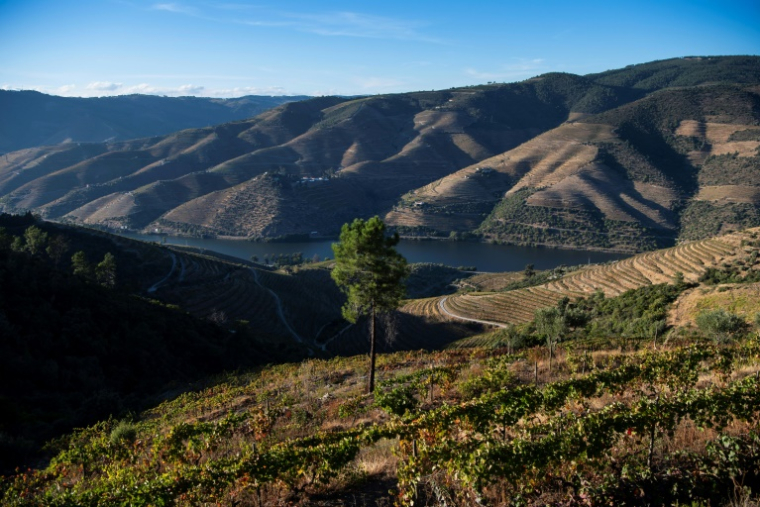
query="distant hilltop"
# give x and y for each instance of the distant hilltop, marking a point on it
(630, 159)
(32, 118)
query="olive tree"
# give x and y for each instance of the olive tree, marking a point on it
(371, 273)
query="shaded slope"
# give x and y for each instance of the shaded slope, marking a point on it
(676, 72)
(34, 119)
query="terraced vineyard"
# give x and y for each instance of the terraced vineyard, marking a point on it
(220, 291)
(518, 306)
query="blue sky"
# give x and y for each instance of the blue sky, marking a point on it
(234, 48)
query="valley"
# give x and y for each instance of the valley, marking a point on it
(625, 160)
(578, 322)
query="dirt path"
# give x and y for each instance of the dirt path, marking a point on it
(278, 305)
(162, 281)
(442, 306)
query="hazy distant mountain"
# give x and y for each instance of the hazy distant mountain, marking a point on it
(631, 158)
(31, 118)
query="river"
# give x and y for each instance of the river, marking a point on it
(485, 256)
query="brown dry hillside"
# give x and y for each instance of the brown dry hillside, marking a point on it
(614, 160)
(676, 163)
(564, 167)
(740, 299)
(517, 306)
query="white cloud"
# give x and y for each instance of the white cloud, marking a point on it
(103, 86)
(202, 91)
(143, 88)
(356, 24)
(177, 8)
(239, 91)
(65, 89)
(523, 68)
(378, 83)
(323, 92)
(190, 89)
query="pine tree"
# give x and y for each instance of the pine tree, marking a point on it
(105, 271)
(370, 271)
(81, 266)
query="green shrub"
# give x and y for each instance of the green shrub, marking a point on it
(720, 324)
(123, 433)
(491, 381)
(397, 401)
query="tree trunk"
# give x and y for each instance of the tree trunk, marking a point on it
(551, 356)
(371, 386)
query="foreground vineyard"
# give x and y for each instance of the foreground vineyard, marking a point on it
(616, 406)
(465, 427)
(690, 260)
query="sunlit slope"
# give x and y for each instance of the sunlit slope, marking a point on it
(561, 168)
(691, 259)
(616, 160)
(59, 180)
(380, 147)
(632, 178)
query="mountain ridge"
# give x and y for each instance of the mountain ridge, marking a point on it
(609, 160)
(32, 118)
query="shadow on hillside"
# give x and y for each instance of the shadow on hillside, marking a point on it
(402, 332)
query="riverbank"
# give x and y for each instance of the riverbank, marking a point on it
(484, 256)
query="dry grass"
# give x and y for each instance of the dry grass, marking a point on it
(742, 300)
(717, 135)
(729, 194)
(379, 460)
(488, 282)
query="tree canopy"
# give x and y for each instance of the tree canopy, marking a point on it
(370, 271)
(368, 268)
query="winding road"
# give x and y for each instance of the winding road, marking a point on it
(442, 307)
(278, 304)
(162, 281)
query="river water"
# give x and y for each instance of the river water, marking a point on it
(484, 256)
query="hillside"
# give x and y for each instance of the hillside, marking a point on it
(80, 342)
(691, 260)
(367, 152)
(631, 159)
(677, 164)
(35, 119)
(610, 420)
(655, 365)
